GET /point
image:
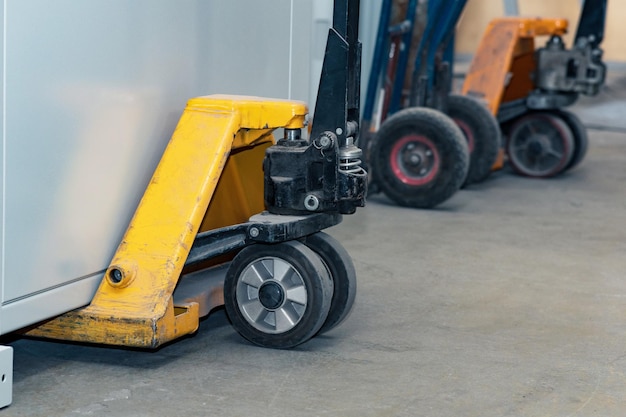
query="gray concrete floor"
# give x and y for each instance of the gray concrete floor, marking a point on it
(507, 300)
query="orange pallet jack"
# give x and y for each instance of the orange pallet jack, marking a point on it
(527, 88)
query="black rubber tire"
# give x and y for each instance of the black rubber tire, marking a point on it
(482, 132)
(444, 170)
(581, 139)
(312, 274)
(342, 271)
(532, 129)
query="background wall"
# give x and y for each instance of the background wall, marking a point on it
(478, 13)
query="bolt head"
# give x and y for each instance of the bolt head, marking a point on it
(311, 203)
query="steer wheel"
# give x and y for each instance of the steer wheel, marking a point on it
(278, 295)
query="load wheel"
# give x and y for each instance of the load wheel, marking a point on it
(581, 140)
(540, 145)
(278, 295)
(419, 157)
(482, 132)
(341, 270)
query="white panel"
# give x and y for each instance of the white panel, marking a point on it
(93, 92)
(322, 21)
(248, 52)
(49, 303)
(2, 164)
(301, 65)
(6, 375)
(238, 62)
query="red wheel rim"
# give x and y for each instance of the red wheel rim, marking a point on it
(467, 132)
(414, 160)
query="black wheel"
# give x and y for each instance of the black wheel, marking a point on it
(419, 157)
(482, 132)
(341, 270)
(279, 295)
(581, 140)
(540, 145)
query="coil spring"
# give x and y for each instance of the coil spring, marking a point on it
(350, 165)
(350, 159)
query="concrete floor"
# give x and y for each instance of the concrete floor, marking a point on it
(507, 300)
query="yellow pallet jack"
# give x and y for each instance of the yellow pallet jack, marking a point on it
(230, 217)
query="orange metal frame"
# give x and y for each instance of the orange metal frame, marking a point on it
(504, 64)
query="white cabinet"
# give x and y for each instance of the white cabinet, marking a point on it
(91, 93)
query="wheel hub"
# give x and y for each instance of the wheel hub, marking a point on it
(538, 145)
(413, 160)
(417, 160)
(271, 295)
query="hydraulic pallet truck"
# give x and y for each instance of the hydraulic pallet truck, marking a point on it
(231, 218)
(423, 143)
(527, 88)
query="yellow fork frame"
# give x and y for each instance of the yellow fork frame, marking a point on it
(133, 305)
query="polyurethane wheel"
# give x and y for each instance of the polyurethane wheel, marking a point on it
(540, 145)
(341, 270)
(482, 132)
(581, 140)
(278, 295)
(419, 157)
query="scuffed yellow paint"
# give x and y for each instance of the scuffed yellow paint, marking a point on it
(138, 310)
